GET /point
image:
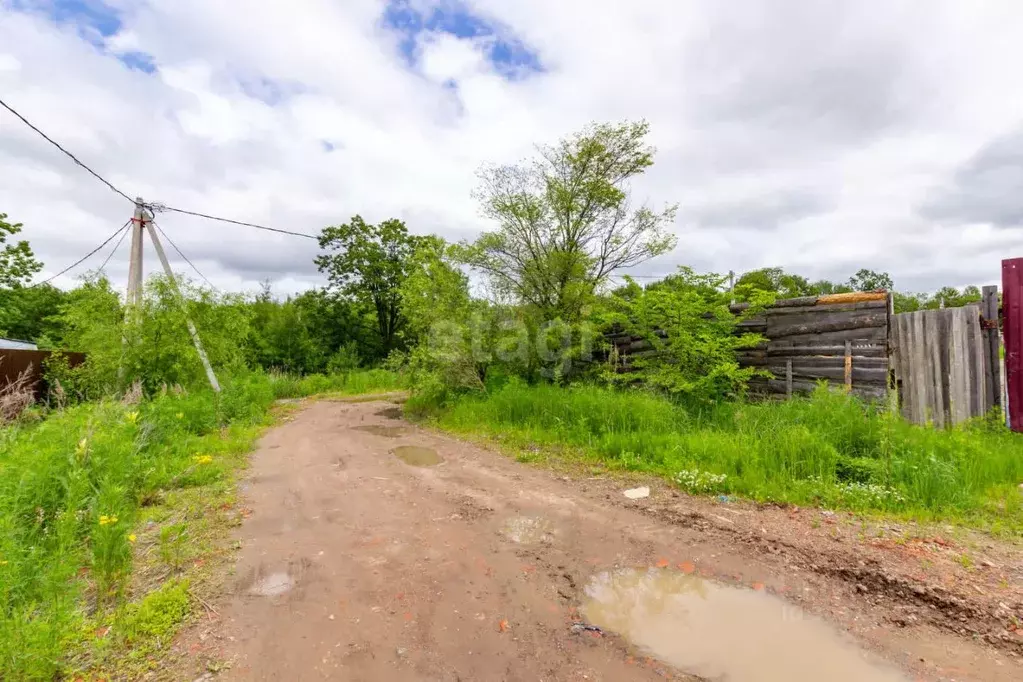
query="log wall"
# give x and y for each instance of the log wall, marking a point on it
(841, 339)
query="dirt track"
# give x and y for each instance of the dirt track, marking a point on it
(356, 565)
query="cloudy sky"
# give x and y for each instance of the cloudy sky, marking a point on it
(821, 136)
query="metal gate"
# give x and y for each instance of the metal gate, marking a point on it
(1012, 337)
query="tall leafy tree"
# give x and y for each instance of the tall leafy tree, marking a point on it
(368, 264)
(17, 262)
(869, 280)
(565, 221)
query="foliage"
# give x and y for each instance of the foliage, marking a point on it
(368, 264)
(869, 280)
(17, 262)
(29, 313)
(829, 449)
(565, 222)
(71, 491)
(691, 333)
(153, 344)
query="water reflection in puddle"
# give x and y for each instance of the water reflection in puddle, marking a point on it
(381, 430)
(417, 456)
(527, 530)
(272, 585)
(723, 633)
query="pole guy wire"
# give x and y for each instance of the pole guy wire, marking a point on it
(181, 253)
(83, 258)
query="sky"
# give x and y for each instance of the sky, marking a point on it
(820, 136)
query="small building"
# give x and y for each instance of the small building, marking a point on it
(16, 344)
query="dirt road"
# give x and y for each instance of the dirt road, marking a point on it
(362, 560)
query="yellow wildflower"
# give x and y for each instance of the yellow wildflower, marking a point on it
(105, 520)
(132, 538)
(132, 417)
(3, 562)
(202, 459)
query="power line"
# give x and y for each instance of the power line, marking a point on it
(66, 152)
(116, 247)
(160, 207)
(180, 253)
(83, 258)
(154, 206)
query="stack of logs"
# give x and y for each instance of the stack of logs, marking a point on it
(840, 338)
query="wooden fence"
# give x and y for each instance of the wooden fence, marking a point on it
(942, 365)
(842, 339)
(14, 362)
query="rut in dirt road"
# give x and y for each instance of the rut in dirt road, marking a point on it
(377, 550)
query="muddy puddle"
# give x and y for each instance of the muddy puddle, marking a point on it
(390, 413)
(724, 633)
(417, 456)
(381, 430)
(273, 585)
(528, 530)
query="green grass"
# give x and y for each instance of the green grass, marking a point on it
(829, 449)
(77, 489)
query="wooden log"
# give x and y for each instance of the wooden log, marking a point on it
(877, 376)
(788, 378)
(853, 297)
(779, 326)
(778, 387)
(833, 362)
(863, 336)
(780, 349)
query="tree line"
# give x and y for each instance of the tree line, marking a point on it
(565, 222)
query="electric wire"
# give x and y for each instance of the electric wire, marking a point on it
(71, 156)
(159, 208)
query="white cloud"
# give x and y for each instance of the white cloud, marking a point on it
(801, 134)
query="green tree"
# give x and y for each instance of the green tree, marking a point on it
(17, 262)
(690, 331)
(368, 264)
(29, 313)
(564, 220)
(773, 280)
(869, 280)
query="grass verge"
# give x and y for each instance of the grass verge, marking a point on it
(829, 449)
(111, 514)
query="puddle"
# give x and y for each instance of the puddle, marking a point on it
(528, 530)
(273, 585)
(417, 456)
(724, 633)
(390, 413)
(381, 430)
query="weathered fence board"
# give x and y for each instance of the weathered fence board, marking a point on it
(940, 365)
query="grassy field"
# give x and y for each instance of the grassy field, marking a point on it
(829, 449)
(94, 495)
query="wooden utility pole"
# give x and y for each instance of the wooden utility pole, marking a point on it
(143, 219)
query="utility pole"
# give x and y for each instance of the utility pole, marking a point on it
(135, 264)
(143, 219)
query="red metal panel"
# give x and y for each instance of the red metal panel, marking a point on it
(1012, 334)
